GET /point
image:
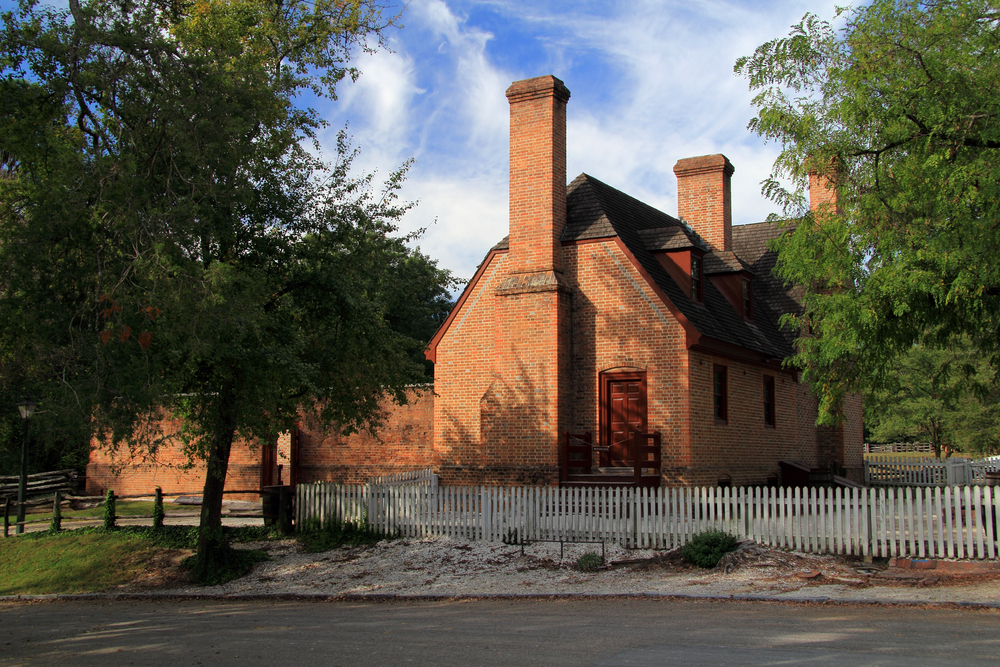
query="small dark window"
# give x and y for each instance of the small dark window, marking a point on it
(696, 280)
(769, 400)
(747, 299)
(719, 392)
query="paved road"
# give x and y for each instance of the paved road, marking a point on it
(635, 632)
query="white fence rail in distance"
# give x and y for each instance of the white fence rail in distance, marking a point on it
(889, 470)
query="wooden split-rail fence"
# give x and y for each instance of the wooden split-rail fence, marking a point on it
(949, 522)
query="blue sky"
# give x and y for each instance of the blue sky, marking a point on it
(651, 82)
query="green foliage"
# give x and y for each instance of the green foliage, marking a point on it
(110, 516)
(949, 397)
(315, 537)
(168, 243)
(706, 548)
(589, 562)
(900, 109)
(158, 508)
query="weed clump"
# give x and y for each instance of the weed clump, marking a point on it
(589, 562)
(707, 548)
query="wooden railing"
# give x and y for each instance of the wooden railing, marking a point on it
(646, 456)
(577, 453)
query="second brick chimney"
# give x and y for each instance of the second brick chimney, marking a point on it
(822, 192)
(704, 197)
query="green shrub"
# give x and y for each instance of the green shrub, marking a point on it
(109, 510)
(158, 509)
(589, 562)
(705, 549)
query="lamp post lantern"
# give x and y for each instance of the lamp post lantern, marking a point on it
(26, 408)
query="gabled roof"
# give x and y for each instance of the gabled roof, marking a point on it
(724, 261)
(597, 210)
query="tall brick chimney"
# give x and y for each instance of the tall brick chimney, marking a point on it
(704, 197)
(537, 173)
(528, 407)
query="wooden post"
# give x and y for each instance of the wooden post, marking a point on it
(56, 512)
(6, 517)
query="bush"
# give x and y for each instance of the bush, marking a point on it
(706, 549)
(589, 562)
(109, 510)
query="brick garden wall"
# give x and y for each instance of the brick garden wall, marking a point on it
(170, 469)
(403, 444)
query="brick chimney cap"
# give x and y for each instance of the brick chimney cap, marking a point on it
(540, 86)
(704, 164)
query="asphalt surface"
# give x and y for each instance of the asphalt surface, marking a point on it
(492, 632)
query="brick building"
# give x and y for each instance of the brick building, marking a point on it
(603, 317)
(600, 314)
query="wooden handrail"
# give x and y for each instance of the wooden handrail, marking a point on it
(584, 444)
(641, 451)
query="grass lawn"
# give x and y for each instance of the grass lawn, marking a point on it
(72, 561)
(88, 560)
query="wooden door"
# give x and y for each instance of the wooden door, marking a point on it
(623, 413)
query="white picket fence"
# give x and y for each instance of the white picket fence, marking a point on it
(941, 522)
(887, 470)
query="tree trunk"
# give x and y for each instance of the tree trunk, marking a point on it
(210, 560)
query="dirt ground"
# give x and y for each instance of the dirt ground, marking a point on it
(448, 567)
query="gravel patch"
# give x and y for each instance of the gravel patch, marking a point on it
(446, 567)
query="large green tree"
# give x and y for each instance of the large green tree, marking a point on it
(192, 257)
(947, 396)
(900, 108)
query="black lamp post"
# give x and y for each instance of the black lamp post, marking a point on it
(26, 408)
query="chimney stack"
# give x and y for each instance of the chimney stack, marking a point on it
(537, 173)
(822, 192)
(704, 197)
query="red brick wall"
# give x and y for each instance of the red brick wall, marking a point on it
(403, 444)
(743, 447)
(170, 469)
(619, 323)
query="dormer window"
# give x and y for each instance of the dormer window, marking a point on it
(696, 278)
(747, 299)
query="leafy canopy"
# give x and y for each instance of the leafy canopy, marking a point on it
(188, 254)
(949, 397)
(900, 109)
